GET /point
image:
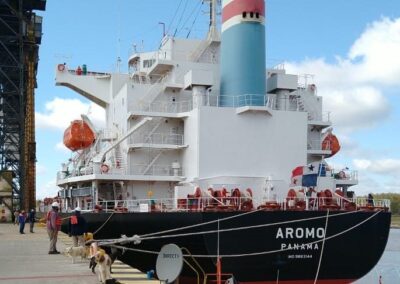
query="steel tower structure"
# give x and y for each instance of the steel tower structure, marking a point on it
(20, 36)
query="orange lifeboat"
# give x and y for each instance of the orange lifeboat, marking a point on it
(331, 142)
(78, 135)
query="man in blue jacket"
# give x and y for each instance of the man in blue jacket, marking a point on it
(32, 219)
(77, 227)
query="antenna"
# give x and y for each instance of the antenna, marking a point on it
(163, 24)
(118, 66)
(213, 32)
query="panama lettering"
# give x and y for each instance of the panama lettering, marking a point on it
(300, 234)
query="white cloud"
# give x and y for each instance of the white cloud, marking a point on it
(352, 87)
(378, 52)
(382, 166)
(48, 189)
(357, 107)
(61, 147)
(60, 112)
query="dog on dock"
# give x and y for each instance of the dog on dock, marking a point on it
(114, 255)
(103, 262)
(75, 252)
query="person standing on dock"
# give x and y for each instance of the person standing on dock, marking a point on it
(53, 224)
(77, 228)
(16, 217)
(32, 219)
(22, 220)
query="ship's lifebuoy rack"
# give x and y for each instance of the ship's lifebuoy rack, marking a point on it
(293, 202)
(104, 168)
(61, 67)
(120, 209)
(270, 206)
(194, 201)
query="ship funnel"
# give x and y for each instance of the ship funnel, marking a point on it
(243, 72)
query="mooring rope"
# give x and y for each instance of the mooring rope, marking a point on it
(257, 253)
(101, 227)
(322, 248)
(137, 238)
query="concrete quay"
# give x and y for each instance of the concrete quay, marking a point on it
(24, 259)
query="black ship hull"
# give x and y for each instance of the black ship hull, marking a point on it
(283, 246)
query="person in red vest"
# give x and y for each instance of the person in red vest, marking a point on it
(53, 225)
(77, 228)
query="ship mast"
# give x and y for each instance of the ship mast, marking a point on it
(213, 32)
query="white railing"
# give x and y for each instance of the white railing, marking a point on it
(88, 73)
(238, 101)
(345, 175)
(121, 169)
(242, 203)
(155, 170)
(270, 101)
(158, 138)
(165, 107)
(316, 144)
(324, 116)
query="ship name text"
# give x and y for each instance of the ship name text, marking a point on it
(300, 233)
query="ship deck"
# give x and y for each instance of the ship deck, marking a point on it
(25, 259)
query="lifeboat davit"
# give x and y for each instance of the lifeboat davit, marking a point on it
(78, 135)
(331, 143)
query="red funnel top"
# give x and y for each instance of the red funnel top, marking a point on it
(78, 135)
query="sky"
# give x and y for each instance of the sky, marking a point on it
(351, 47)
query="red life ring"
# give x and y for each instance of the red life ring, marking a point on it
(61, 67)
(104, 168)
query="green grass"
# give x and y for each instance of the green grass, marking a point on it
(396, 221)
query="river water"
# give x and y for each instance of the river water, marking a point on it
(389, 265)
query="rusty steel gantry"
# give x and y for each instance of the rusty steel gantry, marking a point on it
(20, 36)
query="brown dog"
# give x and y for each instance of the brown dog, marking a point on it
(104, 262)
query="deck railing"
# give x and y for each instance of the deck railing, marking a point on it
(336, 203)
(165, 107)
(157, 138)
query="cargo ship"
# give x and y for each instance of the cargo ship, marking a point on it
(208, 148)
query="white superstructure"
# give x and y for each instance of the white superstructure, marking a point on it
(167, 134)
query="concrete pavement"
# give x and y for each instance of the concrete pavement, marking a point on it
(24, 259)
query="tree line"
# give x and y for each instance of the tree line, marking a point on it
(394, 200)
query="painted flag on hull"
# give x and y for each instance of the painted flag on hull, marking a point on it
(308, 175)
